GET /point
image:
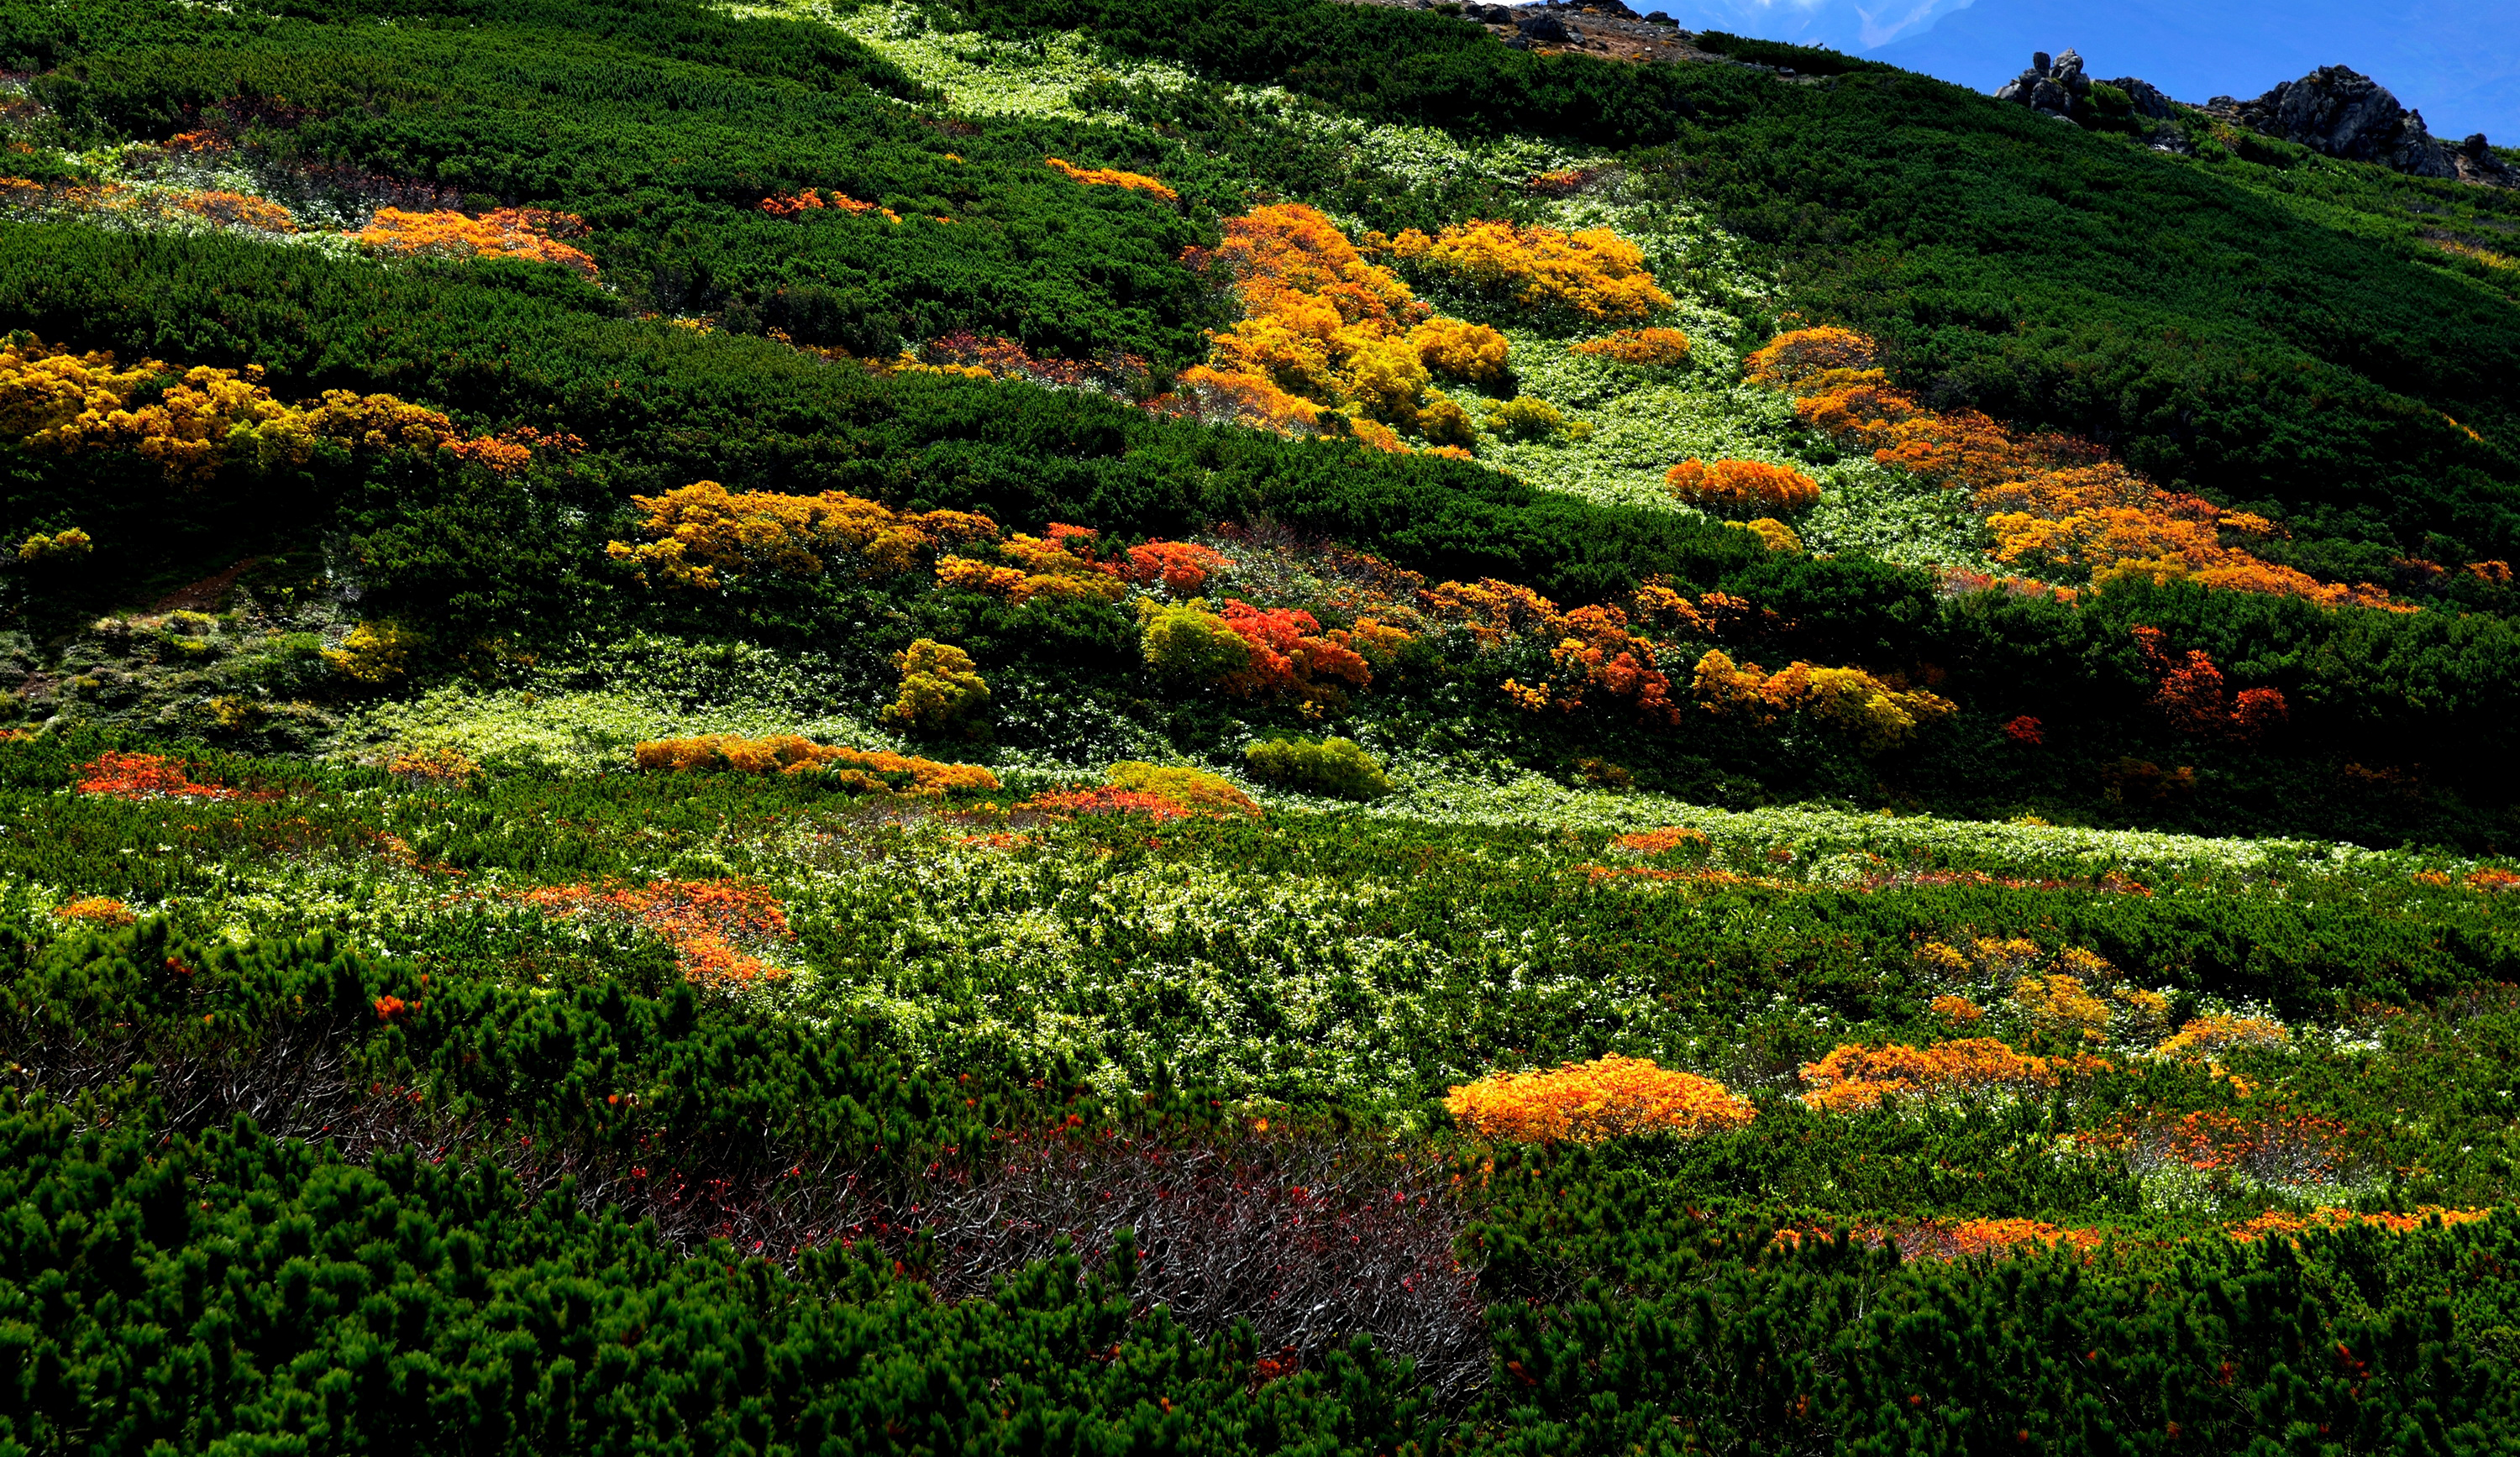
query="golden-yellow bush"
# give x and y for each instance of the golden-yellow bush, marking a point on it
(376, 652)
(703, 536)
(1874, 714)
(2058, 1003)
(1595, 274)
(1460, 350)
(1610, 1097)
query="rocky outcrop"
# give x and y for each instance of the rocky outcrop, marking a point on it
(2344, 113)
(2049, 88)
(2476, 162)
(2059, 88)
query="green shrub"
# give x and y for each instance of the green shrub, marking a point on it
(1188, 645)
(1336, 767)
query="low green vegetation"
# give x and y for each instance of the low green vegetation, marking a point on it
(1041, 727)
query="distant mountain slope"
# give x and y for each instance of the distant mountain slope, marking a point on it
(2456, 60)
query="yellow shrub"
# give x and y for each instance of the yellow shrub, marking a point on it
(61, 546)
(376, 652)
(2208, 1037)
(1460, 350)
(703, 536)
(2059, 1004)
(941, 689)
(1868, 710)
(1773, 534)
(1611, 1097)
(1595, 274)
(1195, 790)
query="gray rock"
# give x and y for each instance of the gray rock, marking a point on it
(2343, 114)
(2146, 98)
(2474, 147)
(2049, 96)
(1548, 30)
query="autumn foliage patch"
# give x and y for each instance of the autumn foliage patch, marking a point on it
(1610, 1097)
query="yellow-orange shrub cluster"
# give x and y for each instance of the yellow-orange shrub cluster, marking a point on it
(1595, 274)
(1136, 182)
(1649, 348)
(810, 200)
(96, 910)
(1062, 566)
(861, 770)
(703, 536)
(53, 400)
(1157, 791)
(1739, 486)
(526, 233)
(1876, 714)
(237, 210)
(1660, 841)
(2282, 1223)
(1853, 1077)
(1611, 1097)
(711, 924)
(2210, 1037)
(2057, 505)
(1324, 328)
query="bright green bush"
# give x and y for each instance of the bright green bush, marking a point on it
(1337, 767)
(1187, 646)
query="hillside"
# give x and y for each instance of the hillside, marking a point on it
(1041, 726)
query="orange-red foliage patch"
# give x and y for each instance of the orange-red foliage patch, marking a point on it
(709, 923)
(137, 777)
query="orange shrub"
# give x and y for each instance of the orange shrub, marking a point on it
(1647, 348)
(703, 536)
(1183, 567)
(141, 776)
(1741, 486)
(2056, 504)
(1955, 1009)
(2287, 1224)
(810, 200)
(1853, 1077)
(1289, 653)
(1062, 566)
(859, 771)
(96, 910)
(509, 232)
(1136, 182)
(1660, 841)
(1611, 1097)
(713, 925)
(237, 210)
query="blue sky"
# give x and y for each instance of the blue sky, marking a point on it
(2456, 60)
